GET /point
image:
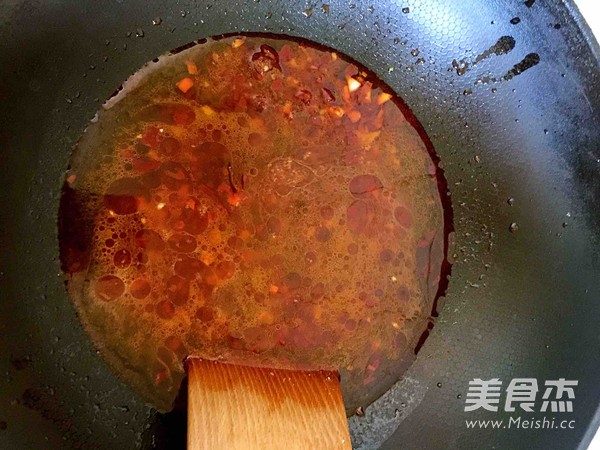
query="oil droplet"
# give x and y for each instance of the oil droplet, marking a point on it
(156, 21)
(460, 66)
(139, 32)
(415, 52)
(513, 227)
(532, 59)
(405, 10)
(515, 20)
(510, 201)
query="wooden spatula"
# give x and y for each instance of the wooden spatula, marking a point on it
(235, 407)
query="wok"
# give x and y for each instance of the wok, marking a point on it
(518, 123)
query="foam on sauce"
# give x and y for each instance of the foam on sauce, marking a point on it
(258, 200)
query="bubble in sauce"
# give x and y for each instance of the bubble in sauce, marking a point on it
(109, 287)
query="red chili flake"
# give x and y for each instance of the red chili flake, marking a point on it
(161, 376)
(165, 310)
(327, 95)
(265, 60)
(304, 95)
(151, 137)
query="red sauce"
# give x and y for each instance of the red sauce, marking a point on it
(258, 200)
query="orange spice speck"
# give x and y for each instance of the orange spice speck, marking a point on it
(354, 116)
(191, 67)
(383, 97)
(238, 42)
(234, 199)
(336, 111)
(185, 84)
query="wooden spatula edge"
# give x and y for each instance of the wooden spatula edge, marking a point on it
(251, 408)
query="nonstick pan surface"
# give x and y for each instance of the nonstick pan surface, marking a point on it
(521, 303)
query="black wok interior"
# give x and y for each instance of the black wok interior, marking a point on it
(519, 304)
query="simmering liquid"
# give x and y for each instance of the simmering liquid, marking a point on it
(258, 200)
